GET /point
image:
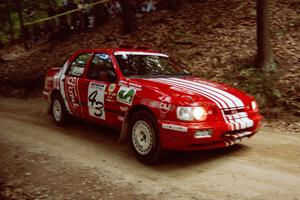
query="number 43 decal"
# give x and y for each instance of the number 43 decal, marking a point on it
(96, 104)
(96, 100)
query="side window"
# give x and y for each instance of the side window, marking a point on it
(101, 68)
(77, 66)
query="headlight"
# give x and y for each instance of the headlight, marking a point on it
(191, 113)
(254, 105)
(199, 113)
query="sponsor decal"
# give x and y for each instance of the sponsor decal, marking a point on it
(109, 95)
(71, 84)
(96, 100)
(135, 86)
(111, 88)
(126, 95)
(150, 103)
(165, 103)
(123, 83)
(124, 108)
(174, 127)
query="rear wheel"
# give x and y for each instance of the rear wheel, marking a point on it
(59, 111)
(144, 137)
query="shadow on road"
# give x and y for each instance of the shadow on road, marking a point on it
(107, 137)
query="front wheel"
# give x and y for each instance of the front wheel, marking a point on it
(144, 138)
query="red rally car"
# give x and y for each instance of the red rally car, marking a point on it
(155, 103)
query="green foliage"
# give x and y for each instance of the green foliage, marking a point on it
(9, 20)
(262, 84)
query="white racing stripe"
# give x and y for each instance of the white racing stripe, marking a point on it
(224, 101)
(233, 120)
(62, 86)
(232, 98)
(242, 118)
(221, 103)
(228, 98)
(233, 125)
(242, 124)
(236, 119)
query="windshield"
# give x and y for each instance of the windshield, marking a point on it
(148, 65)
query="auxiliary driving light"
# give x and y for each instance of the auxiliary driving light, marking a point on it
(203, 133)
(254, 105)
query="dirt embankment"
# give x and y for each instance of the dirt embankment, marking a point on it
(214, 39)
(42, 161)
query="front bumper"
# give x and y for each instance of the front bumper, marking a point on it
(181, 135)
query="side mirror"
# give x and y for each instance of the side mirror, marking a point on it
(112, 77)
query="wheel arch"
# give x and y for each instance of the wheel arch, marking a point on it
(54, 92)
(124, 130)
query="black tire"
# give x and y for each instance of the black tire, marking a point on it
(144, 138)
(58, 106)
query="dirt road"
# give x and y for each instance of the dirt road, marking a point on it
(39, 160)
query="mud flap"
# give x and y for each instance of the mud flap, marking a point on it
(124, 130)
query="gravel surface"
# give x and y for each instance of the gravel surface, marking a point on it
(83, 161)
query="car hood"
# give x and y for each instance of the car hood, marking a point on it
(196, 91)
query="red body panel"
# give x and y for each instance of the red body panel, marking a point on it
(230, 115)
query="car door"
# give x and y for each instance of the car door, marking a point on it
(99, 88)
(71, 81)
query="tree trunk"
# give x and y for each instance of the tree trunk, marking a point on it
(264, 49)
(23, 29)
(128, 12)
(11, 25)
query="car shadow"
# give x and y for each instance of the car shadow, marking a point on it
(107, 137)
(182, 159)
